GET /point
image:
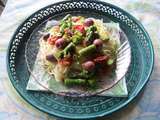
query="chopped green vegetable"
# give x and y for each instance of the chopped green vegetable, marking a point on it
(66, 18)
(77, 38)
(87, 50)
(71, 82)
(89, 36)
(83, 75)
(63, 26)
(65, 23)
(92, 28)
(90, 33)
(86, 74)
(110, 62)
(69, 48)
(74, 81)
(69, 24)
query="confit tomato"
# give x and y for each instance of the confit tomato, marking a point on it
(79, 28)
(101, 59)
(65, 61)
(52, 39)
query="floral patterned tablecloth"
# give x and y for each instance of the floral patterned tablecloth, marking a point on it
(145, 107)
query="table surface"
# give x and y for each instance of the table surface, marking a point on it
(146, 106)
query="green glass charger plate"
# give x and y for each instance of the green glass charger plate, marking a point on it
(85, 107)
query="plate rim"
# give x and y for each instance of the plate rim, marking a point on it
(85, 116)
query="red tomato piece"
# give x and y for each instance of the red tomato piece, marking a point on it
(79, 28)
(101, 59)
(51, 40)
(65, 61)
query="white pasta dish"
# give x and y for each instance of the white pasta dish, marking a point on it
(80, 51)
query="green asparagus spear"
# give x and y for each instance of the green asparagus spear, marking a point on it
(66, 17)
(87, 50)
(69, 48)
(65, 22)
(83, 74)
(71, 82)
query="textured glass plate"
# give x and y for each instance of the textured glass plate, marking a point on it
(86, 107)
(48, 83)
